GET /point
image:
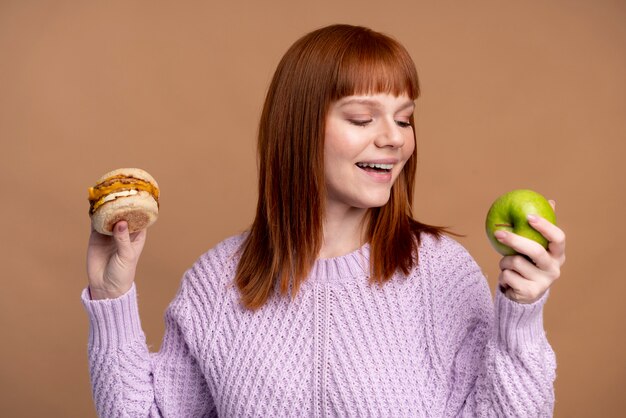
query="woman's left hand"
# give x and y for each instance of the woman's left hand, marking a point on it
(524, 278)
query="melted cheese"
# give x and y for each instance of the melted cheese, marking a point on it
(99, 195)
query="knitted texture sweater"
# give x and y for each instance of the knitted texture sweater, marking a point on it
(430, 344)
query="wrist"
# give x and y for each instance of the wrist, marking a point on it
(113, 322)
(523, 299)
(97, 293)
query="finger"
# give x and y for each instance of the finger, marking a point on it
(554, 235)
(96, 238)
(519, 289)
(535, 251)
(521, 265)
(528, 271)
(510, 284)
(553, 204)
(122, 241)
(138, 239)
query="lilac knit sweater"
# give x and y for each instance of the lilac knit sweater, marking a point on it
(426, 345)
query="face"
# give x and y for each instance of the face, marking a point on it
(368, 140)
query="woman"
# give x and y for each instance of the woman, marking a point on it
(335, 302)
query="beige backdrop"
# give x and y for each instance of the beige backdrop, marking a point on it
(515, 94)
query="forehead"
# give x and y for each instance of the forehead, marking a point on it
(380, 100)
(358, 76)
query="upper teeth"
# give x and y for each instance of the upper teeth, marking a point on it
(373, 165)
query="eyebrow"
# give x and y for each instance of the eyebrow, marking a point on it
(374, 103)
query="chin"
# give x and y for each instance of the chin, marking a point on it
(373, 201)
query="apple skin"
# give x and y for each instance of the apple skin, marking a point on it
(509, 212)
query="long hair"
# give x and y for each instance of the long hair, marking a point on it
(286, 235)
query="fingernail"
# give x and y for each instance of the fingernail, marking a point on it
(532, 218)
(121, 227)
(499, 234)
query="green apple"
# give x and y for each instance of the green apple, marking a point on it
(509, 213)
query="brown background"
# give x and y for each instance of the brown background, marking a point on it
(515, 94)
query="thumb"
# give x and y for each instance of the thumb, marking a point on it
(553, 204)
(122, 241)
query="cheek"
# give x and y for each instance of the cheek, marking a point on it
(333, 155)
(409, 146)
(407, 151)
(341, 147)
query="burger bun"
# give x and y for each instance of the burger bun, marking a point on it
(137, 173)
(139, 211)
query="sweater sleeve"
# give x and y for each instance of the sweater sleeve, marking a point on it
(501, 362)
(129, 381)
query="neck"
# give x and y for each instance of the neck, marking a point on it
(343, 231)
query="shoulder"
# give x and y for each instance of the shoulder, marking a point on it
(212, 275)
(446, 263)
(223, 257)
(205, 292)
(456, 295)
(441, 251)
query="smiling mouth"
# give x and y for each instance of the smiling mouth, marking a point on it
(375, 167)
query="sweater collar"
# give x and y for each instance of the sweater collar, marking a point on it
(351, 265)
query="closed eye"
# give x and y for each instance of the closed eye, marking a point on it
(403, 124)
(360, 122)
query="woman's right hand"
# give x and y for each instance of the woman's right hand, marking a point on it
(112, 261)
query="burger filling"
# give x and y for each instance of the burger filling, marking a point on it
(118, 186)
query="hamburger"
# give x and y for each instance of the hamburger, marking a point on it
(125, 194)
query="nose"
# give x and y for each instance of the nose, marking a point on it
(391, 135)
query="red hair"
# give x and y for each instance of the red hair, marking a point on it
(286, 235)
